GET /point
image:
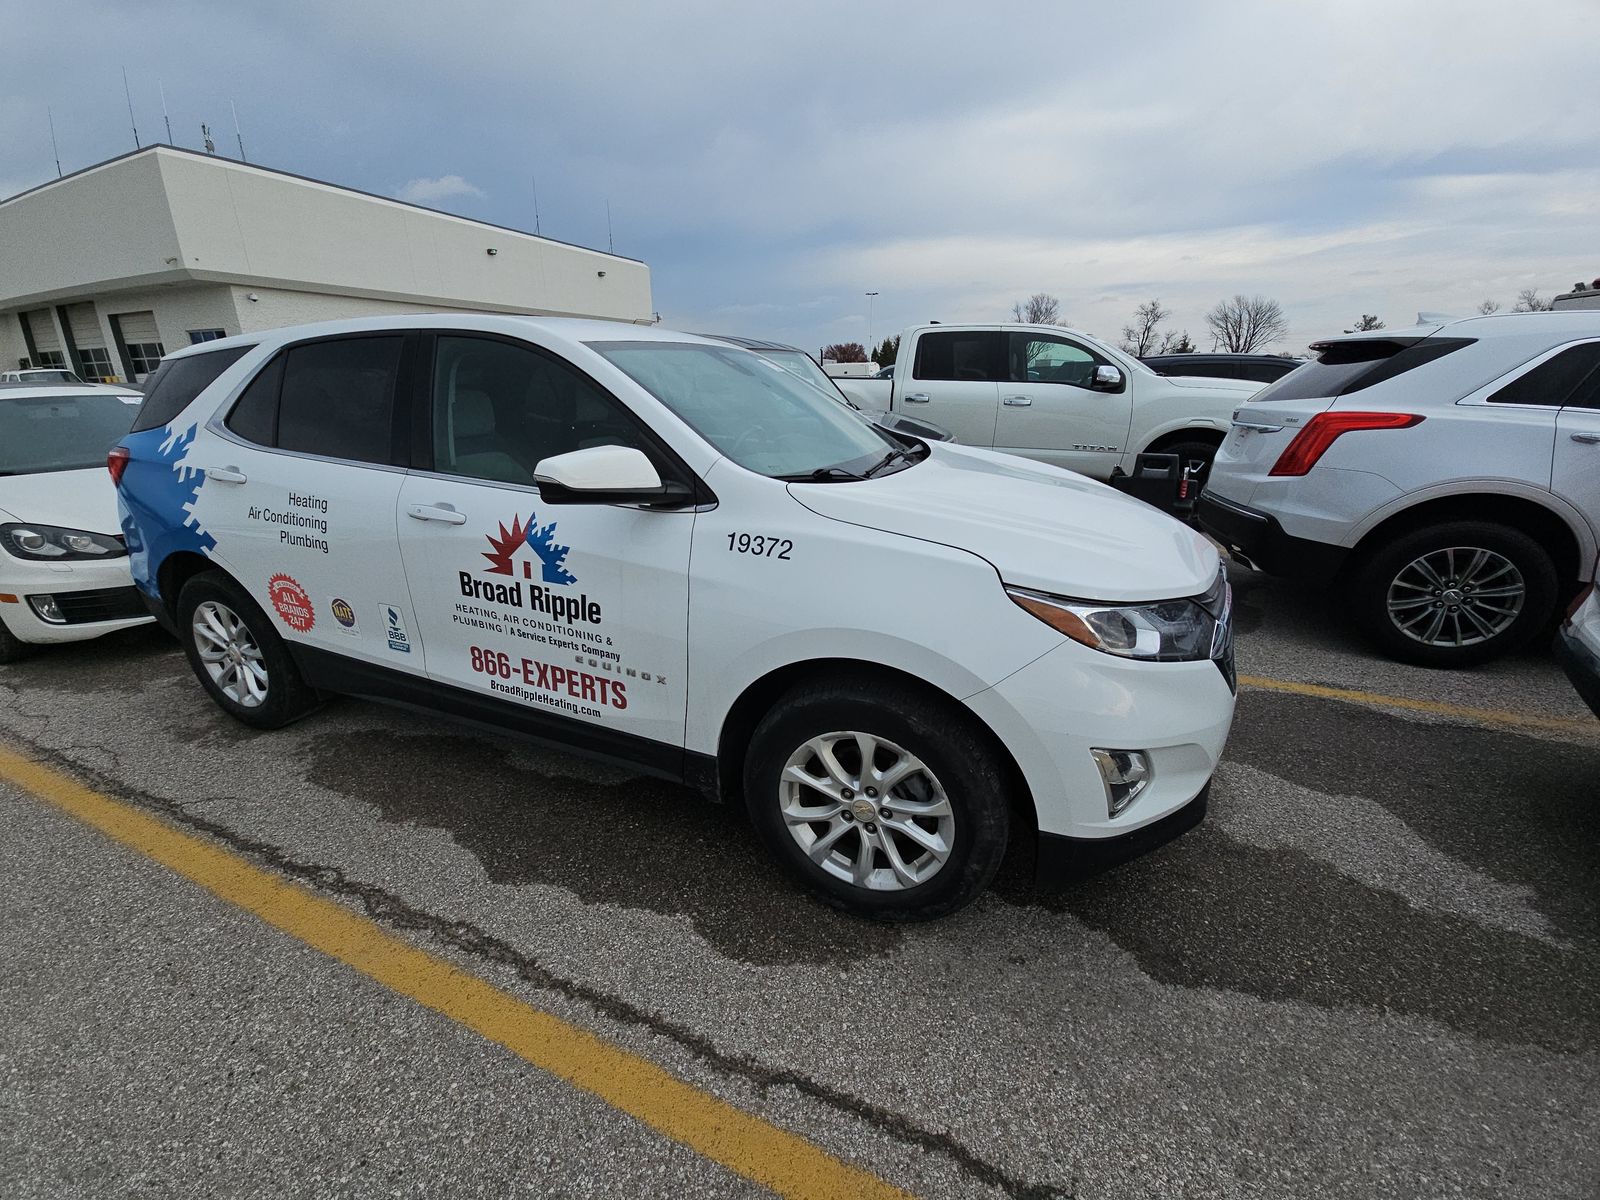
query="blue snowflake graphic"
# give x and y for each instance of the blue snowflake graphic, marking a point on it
(165, 492)
(542, 542)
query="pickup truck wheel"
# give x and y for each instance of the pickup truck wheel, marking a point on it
(1455, 595)
(882, 800)
(1188, 452)
(238, 656)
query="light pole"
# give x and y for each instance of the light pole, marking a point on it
(870, 295)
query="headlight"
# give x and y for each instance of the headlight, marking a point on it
(1162, 631)
(47, 543)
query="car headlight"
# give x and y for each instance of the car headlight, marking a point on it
(49, 543)
(1161, 631)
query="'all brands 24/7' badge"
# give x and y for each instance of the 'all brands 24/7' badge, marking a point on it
(292, 603)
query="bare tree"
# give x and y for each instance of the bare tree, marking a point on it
(1489, 306)
(1177, 343)
(1246, 324)
(1528, 301)
(1366, 324)
(845, 352)
(1141, 337)
(1041, 308)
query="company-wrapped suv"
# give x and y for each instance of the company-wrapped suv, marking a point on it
(669, 551)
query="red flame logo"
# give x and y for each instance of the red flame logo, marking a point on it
(507, 544)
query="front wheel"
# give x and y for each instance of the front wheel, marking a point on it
(1455, 595)
(882, 800)
(237, 655)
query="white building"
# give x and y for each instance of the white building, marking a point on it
(107, 268)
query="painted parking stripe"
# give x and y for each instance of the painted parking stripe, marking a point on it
(1460, 712)
(781, 1161)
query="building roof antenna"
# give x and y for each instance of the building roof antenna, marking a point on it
(205, 136)
(137, 144)
(236, 132)
(536, 206)
(164, 116)
(56, 150)
(611, 247)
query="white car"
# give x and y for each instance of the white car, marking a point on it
(63, 570)
(1578, 647)
(40, 375)
(666, 550)
(1448, 475)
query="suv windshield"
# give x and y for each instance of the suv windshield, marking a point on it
(799, 363)
(61, 433)
(756, 412)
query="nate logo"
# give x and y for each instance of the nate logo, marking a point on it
(551, 555)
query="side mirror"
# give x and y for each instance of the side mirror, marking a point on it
(604, 475)
(1107, 379)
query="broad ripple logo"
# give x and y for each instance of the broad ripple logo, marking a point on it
(541, 547)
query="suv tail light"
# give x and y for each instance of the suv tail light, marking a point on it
(1312, 442)
(117, 463)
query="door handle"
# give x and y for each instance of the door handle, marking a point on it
(1587, 438)
(225, 474)
(918, 398)
(436, 512)
(1018, 401)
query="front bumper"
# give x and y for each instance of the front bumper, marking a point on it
(1582, 666)
(1256, 539)
(95, 598)
(1061, 859)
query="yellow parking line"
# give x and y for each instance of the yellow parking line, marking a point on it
(781, 1161)
(1460, 712)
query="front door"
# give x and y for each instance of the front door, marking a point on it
(574, 611)
(955, 382)
(1050, 411)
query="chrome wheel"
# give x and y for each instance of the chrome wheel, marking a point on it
(867, 811)
(229, 654)
(1458, 596)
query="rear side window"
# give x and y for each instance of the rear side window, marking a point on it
(970, 356)
(337, 398)
(178, 381)
(1344, 367)
(255, 413)
(1570, 378)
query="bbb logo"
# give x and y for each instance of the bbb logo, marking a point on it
(394, 626)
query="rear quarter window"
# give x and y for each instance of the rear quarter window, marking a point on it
(178, 381)
(1567, 378)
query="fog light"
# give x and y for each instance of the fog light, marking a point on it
(49, 610)
(1126, 773)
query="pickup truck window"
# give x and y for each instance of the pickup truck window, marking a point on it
(757, 413)
(1042, 358)
(967, 355)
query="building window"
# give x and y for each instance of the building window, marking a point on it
(144, 357)
(96, 362)
(51, 358)
(197, 336)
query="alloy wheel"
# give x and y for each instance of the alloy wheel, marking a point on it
(867, 811)
(1457, 596)
(229, 653)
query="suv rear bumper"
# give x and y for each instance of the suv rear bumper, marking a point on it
(1257, 540)
(1582, 666)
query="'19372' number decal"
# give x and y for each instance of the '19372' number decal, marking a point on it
(763, 547)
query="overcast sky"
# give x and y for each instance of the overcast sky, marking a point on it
(772, 163)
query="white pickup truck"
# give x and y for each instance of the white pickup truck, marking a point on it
(1051, 394)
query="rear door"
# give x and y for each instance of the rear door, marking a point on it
(955, 382)
(1575, 471)
(1049, 410)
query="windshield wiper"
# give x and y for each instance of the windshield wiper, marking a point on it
(888, 458)
(824, 475)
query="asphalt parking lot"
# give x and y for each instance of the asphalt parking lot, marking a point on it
(1374, 970)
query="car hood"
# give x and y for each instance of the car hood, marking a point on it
(1040, 527)
(72, 499)
(1233, 387)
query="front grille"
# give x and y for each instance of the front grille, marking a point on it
(102, 604)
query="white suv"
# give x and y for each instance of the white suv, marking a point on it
(658, 548)
(1449, 475)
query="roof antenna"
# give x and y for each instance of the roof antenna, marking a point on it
(137, 144)
(164, 116)
(536, 206)
(205, 135)
(610, 245)
(236, 132)
(51, 117)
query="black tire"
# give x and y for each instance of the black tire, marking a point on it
(1373, 578)
(12, 647)
(957, 754)
(287, 696)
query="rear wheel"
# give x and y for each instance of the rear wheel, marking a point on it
(1457, 594)
(238, 656)
(882, 800)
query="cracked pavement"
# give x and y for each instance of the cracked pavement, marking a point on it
(1374, 971)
